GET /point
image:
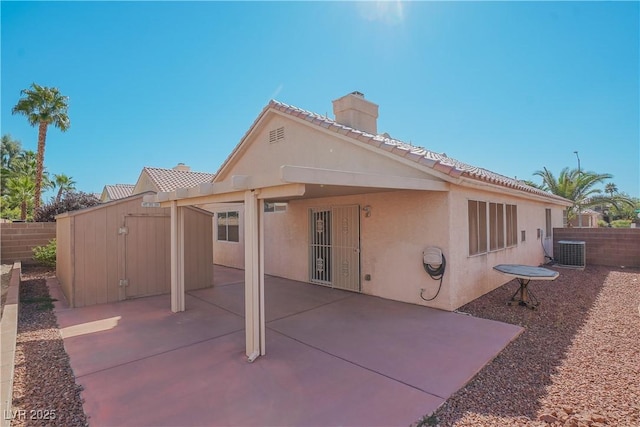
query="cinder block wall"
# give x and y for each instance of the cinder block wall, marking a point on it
(604, 246)
(17, 239)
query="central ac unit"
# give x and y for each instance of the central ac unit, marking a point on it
(572, 254)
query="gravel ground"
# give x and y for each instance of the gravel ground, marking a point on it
(44, 384)
(576, 364)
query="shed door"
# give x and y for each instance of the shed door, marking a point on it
(147, 255)
(335, 247)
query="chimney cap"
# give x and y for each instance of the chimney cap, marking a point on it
(357, 93)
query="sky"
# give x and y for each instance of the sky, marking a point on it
(512, 87)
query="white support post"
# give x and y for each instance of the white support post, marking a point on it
(253, 277)
(177, 258)
(261, 277)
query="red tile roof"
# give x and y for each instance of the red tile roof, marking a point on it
(170, 179)
(436, 161)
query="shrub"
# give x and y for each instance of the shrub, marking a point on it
(71, 201)
(621, 223)
(602, 223)
(46, 255)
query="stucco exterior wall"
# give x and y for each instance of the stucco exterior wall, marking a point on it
(229, 254)
(401, 225)
(308, 147)
(474, 275)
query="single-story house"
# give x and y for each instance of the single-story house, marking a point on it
(115, 192)
(335, 203)
(156, 180)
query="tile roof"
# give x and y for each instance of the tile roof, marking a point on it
(118, 191)
(436, 161)
(170, 179)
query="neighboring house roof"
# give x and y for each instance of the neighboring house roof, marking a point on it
(115, 192)
(432, 160)
(170, 179)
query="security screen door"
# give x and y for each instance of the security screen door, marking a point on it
(334, 247)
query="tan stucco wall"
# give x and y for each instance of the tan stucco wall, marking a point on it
(392, 241)
(230, 254)
(308, 147)
(144, 184)
(474, 275)
(402, 224)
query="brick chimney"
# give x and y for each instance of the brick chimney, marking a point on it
(182, 167)
(354, 111)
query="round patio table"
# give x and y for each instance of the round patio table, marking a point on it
(524, 274)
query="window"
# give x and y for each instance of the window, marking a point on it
(523, 235)
(275, 207)
(492, 224)
(496, 226)
(477, 227)
(228, 226)
(547, 229)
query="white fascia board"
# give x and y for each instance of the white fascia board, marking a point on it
(309, 175)
(486, 186)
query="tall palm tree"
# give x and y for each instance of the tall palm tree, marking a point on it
(579, 187)
(43, 106)
(64, 183)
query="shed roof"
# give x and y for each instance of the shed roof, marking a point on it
(435, 161)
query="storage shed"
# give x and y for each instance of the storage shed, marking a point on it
(121, 250)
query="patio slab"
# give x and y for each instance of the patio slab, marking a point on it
(333, 358)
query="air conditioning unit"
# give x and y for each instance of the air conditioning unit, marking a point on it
(572, 254)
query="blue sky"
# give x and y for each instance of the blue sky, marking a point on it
(511, 87)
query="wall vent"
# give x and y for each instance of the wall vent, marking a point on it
(276, 135)
(572, 254)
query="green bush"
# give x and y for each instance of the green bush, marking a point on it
(46, 255)
(602, 223)
(621, 223)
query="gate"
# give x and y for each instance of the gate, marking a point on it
(334, 247)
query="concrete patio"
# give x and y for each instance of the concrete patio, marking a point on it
(333, 357)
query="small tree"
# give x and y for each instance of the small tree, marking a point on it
(71, 201)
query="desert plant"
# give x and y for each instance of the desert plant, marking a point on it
(46, 255)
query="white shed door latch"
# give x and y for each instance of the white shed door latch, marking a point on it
(123, 230)
(124, 283)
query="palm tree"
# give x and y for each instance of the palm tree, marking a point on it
(610, 189)
(64, 183)
(43, 106)
(579, 187)
(20, 191)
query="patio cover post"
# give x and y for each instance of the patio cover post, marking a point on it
(177, 257)
(253, 276)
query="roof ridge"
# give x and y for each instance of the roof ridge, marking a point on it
(421, 155)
